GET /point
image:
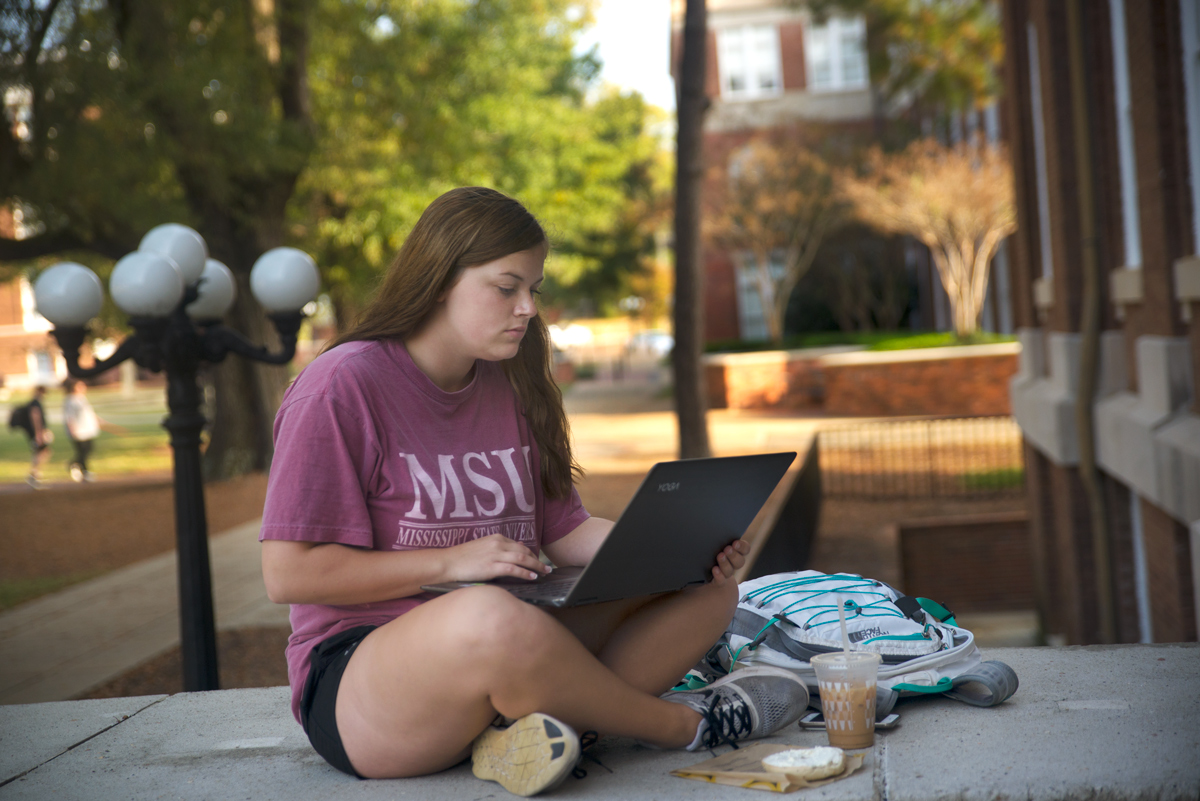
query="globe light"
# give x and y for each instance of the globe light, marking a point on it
(217, 291)
(181, 245)
(68, 294)
(284, 279)
(146, 284)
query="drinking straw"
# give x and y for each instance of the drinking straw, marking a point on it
(842, 621)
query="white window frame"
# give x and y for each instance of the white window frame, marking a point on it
(831, 36)
(1039, 153)
(1189, 13)
(749, 54)
(1131, 220)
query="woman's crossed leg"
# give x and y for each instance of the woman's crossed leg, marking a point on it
(420, 689)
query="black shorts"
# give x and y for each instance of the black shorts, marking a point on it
(318, 702)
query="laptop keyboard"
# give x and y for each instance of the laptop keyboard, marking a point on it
(545, 590)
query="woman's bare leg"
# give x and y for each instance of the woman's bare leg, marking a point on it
(652, 642)
(418, 690)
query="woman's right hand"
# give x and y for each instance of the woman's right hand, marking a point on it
(492, 557)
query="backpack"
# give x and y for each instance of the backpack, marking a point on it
(782, 620)
(21, 418)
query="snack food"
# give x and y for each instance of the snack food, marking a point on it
(809, 764)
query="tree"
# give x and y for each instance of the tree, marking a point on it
(957, 200)
(689, 166)
(327, 124)
(778, 205)
(941, 52)
(142, 112)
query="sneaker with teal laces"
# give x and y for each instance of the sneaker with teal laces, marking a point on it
(745, 705)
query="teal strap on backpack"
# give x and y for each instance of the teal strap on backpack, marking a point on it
(941, 613)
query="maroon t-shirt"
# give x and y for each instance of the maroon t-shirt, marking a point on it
(370, 453)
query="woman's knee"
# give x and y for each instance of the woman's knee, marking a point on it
(491, 623)
(720, 600)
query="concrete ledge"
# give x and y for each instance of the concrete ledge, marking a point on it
(1110, 722)
(1043, 393)
(1146, 439)
(921, 354)
(1187, 279)
(1125, 285)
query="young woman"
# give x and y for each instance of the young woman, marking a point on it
(429, 444)
(83, 426)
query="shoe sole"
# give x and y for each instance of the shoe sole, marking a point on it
(529, 757)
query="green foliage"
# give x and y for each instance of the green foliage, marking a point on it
(192, 111)
(18, 591)
(944, 52)
(870, 340)
(998, 479)
(425, 97)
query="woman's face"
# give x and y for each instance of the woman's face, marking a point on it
(485, 314)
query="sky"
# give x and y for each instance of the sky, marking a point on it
(634, 40)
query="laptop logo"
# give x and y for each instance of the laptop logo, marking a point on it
(669, 487)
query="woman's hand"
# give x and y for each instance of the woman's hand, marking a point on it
(729, 561)
(492, 557)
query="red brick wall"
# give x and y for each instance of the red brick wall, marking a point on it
(971, 385)
(968, 386)
(791, 56)
(720, 296)
(1169, 569)
(10, 303)
(977, 563)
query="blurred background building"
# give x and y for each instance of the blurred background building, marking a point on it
(1139, 118)
(775, 70)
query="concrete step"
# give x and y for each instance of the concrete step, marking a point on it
(1111, 722)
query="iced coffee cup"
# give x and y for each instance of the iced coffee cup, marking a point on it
(846, 684)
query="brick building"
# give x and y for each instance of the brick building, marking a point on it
(1139, 117)
(771, 66)
(28, 354)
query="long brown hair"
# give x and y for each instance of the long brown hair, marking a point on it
(464, 228)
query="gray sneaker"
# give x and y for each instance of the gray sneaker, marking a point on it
(745, 705)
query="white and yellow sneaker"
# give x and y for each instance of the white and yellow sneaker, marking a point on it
(530, 756)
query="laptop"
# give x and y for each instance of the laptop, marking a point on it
(683, 514)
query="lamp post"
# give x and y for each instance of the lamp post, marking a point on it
(175, 297)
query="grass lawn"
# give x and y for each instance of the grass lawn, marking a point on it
(872, 340)
(142, 447)
(15, 591)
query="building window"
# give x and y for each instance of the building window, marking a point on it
(1189, 11)
(1039, 153)
(836, 54)
(752, 320)
(748, 61)
(1130, 215)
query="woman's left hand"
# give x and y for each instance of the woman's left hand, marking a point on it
(729, 561)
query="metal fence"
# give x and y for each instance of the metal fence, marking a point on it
(944, 457)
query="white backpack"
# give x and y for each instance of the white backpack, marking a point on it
(784, 619)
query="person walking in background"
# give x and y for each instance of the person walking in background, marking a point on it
(31, 418)
(83, 426)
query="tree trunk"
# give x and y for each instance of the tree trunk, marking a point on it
(247, 393)
(689, 298)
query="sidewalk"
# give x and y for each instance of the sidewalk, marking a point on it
(1101, 722)
(63, 644)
